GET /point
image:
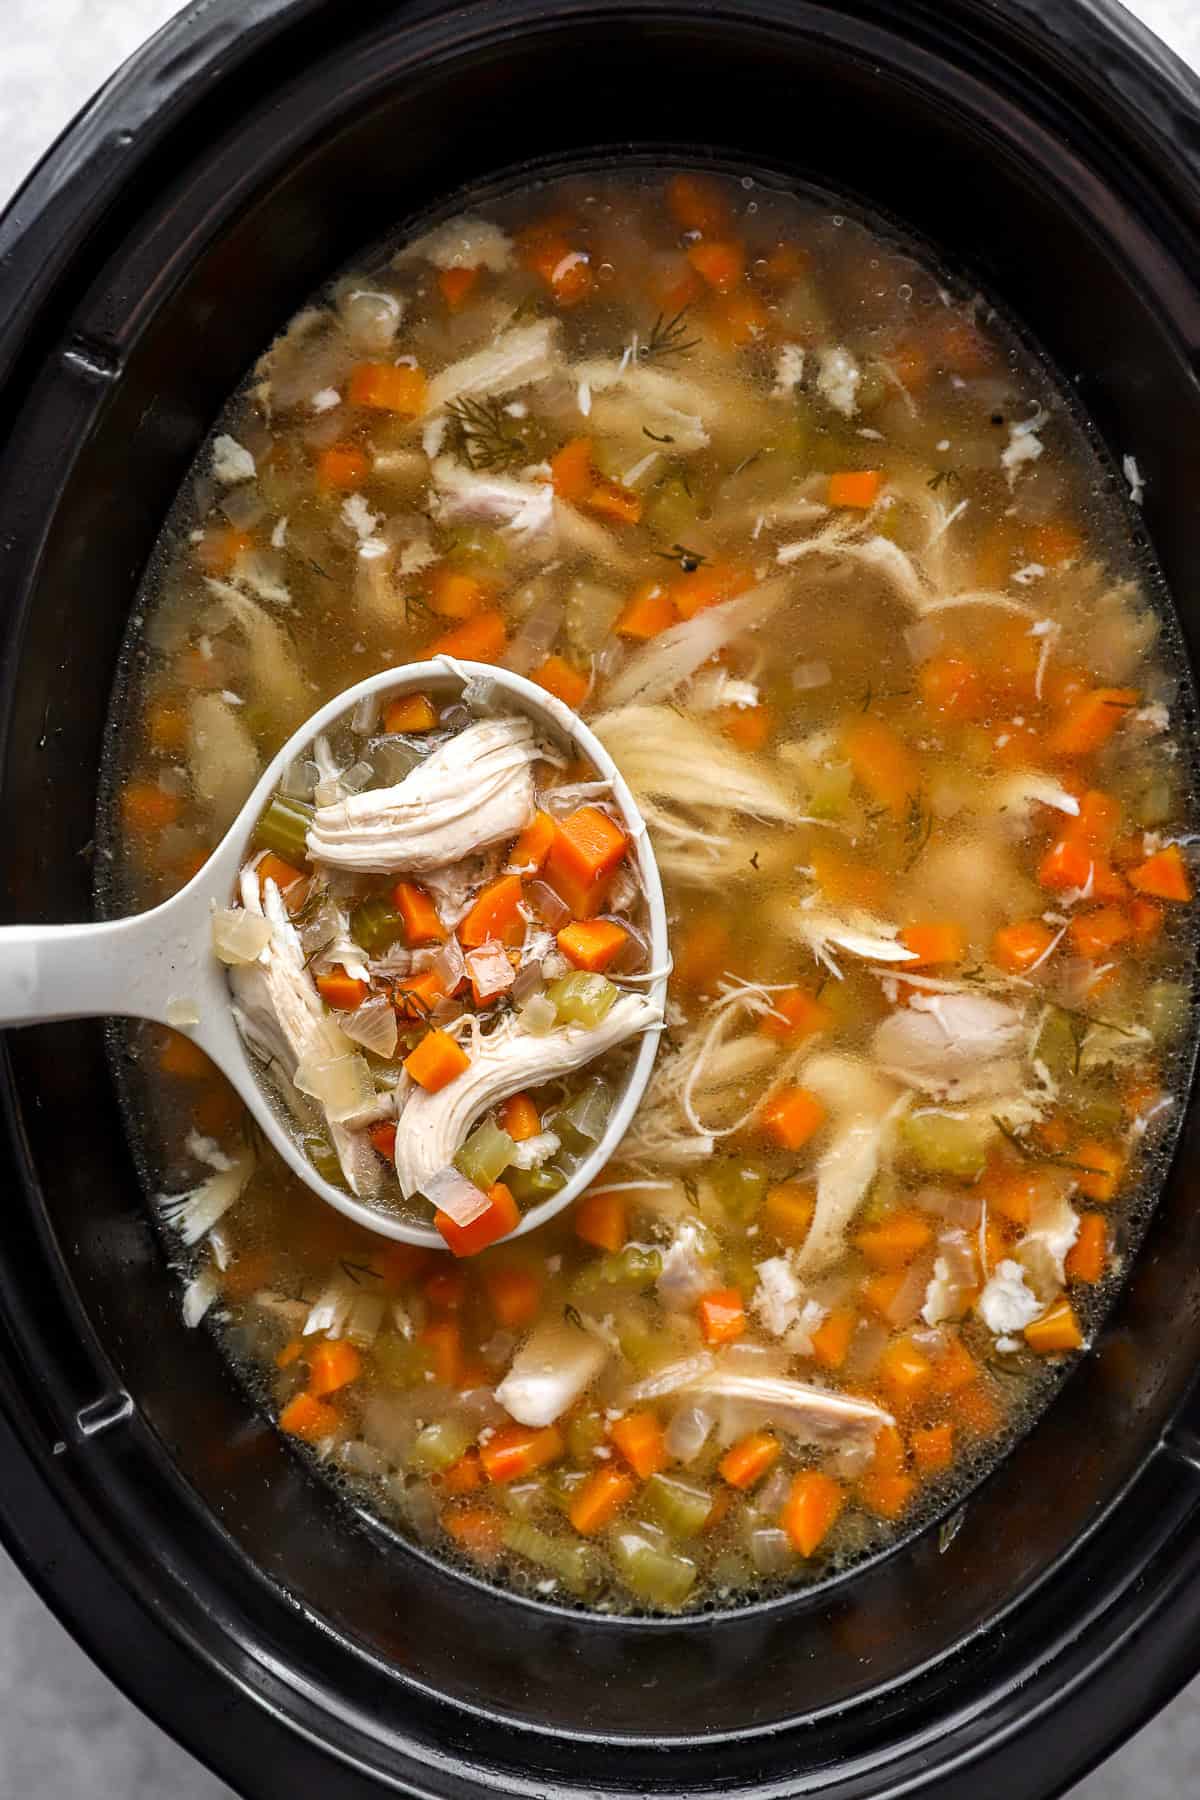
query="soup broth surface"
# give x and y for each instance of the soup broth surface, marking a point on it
(824, 556)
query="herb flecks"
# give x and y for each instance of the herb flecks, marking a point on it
(359, 1272)
(654, 437)
(1035, 1153)
(487, 435)
(918, 828)
(943, 478)
(573, 1316)
(668, 337)
(688, 560)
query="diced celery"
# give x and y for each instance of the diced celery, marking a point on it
(472, 544)
(670, 510)
(439, 1445)
(1166, 1008)
(830, 792)
(324, 1159)
(574, 1563)
(283, 828)
(523, 1498)
(740, 1187)
(580, 1123)
(1156, 803)
(485, 1155)
(680, 1507)
(564, 1485)
(630, 1267)
(1057, 1045)
(1096, 1107)
(947, 1144)
(585, 1432)
(581, 999)
(399, 1361)
(641, 1345)
(655, 1576)
(375, 925)
(528, 1186)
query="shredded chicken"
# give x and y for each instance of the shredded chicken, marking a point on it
(811, 1415)
(953, 1046)
(517, 357)
(549, 1373)
(476, 790)
(862, 1110)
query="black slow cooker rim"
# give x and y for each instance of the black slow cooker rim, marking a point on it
(65, 196)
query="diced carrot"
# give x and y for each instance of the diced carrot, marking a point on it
(1098, 820)
(446, 1288)
(481, 639)
(437, 1060)
(531, 849)
(701, 952)
(910, 365)
(166, 726)
(1088, 1255)
(951, 684)
(1053, 542)
(894, 1242)
(443, 1339)
(736, 319)
(882, 763)
(383, 1139)
(831, 1339)
(332, 1364)
(592, 943)
(887, 1496)
(672, 284)
(309, 1418)
(699, 204)
(610, 500)
(1098, 931)
(786, 262)
(877, 1292)
(748, 1460)
(933, 1448)
(1019, 946)
(477, 1530)
(1066, 864)
(847, 881)
(722, 1315)
(217, 551)
(788, 1211)
(340, 467)
(904, 1373)
(572, 470)
(649, 610)
(291, 1352)
(601, 1218)
(514, 1296)
(411, 713)
(1014, 1194)
(791, 1117)
(401, 1263)
(495, 914)
(855, 487)
(455, 594)
(502, 1216)
(342, 991)
(457, 285)
(421, 923)
(963, 348)
(811, 1510)
(1103, 1163)
(179, 1056)
(147, 807)
(519, 1117)
(600, 1499)
(587, 847)
(801, 1014)
(955, 1369)
(748, 726)
(694, 590)
(273, 868)
(639, 1437)
(416, 996)
(1145, 920)
(564, 681)
(1164, 876)
(547, 250)
(462, 1477)
(387, 387)
(1087, 723)
(935, 942)
(1056, 1331)
(720, 262)
(888, 1456)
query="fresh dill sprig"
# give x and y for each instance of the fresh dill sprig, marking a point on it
(668, 337)
(573, 1316)
(1034, 1153)
(918, 828)
(943, 478)
(654, 437)
(488, 436)
(355, 1271)
(691, 1191)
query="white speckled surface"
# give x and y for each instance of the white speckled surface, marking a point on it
(65, 1731)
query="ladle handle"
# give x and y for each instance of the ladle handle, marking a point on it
(50, 972)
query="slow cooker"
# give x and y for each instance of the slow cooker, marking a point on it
(1049, 147)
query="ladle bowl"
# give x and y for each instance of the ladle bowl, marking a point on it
(160, 965)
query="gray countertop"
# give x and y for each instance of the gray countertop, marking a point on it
(65, 1731)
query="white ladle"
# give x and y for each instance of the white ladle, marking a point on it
(145, 967)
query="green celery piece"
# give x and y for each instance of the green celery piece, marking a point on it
(485, 1155)
(283, 828)
(439, 1445)
(528, 1186)
(680, 1507)
(376, 925)
(741, 1188)
(941, 1144)
(657, 1577)
(581, 1123)
(581, 998)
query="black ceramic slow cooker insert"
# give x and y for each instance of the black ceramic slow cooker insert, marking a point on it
(1052, 149)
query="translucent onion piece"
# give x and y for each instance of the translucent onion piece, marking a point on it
(769, 1499)
(357, 777)
(373, 1025)
(365, 717)
(687, 1433)
(449, 966)
(450, 1192)
(182, 1013)
(480, 695)
(547, 904)
(393, 758)
(771, 1550)
(299, 779)
(198, 1296)
(535, 639)
(538, 1016)
(527, 982)
(811, 675)
(239, 936)
(490, 971)
(341, 1084)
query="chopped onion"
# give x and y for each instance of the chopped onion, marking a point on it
(909, 1297)
(866, 1347)
(538, 1016)
(770, 1498)
(300, 779)
(490, 971)
(373, 1025)
(239, 936)
(365, 716)
(451, 1193)
(687, 1433)
(923, 640)
(479, 695)
(341, 1084)
(670, 1378)
(198, 1296)
(322, 927)
(771, 1550)
(449, 966)
(811, 675)
(371, 318)
(534, 640)
(358, 776)
(394, 757)
(547, 904)
(243, 506)
(182, 1013)
(527, 981)
(364, 1319)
